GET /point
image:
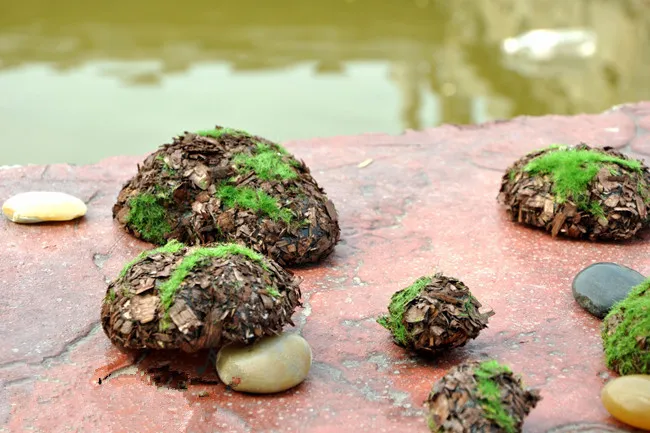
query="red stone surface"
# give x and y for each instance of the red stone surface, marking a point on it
(426, 203)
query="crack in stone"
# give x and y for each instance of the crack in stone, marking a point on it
(99, 259)
(45, 170)
(301, 320)
(12, 364)
(399, 399)
(64, 353)
(93, 196)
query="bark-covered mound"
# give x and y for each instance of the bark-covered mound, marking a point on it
(478, 397)
(191, 298)
(434, 314)
(626, 333)
(579, 192)
(226, 185)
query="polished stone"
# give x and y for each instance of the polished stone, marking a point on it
(627, 399)
(39, 206)
(273, 364)
(599, 286)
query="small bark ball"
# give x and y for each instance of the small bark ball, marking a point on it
(192, 298)
(434, 314)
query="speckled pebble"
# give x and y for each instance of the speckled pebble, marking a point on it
(272, 364)
(39, 206)
(599, 286)
(627, 399)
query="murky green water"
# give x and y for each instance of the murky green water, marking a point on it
(83, 80)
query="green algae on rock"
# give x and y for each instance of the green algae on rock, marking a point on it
(434, 314)
(579, 192)
(479, 396)
(626, 333)
(192, 298)
(227, 185)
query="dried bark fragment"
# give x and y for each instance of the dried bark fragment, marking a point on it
(225, 185)
(198, 298)
(434, 314)
(606, 198)
(479, 397)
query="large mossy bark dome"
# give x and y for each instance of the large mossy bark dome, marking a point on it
(479, 397)
(226, 185)
(192, 298)
(626, 333)
(434, 314)
(578, 192)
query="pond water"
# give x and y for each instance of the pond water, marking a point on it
(80, 81)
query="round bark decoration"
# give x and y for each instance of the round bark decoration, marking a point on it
(434, 314)
(578, 192)
(626, 333)
(479, 397)
(226, 185)
(191, 298)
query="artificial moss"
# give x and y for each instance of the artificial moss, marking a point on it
(393, 321)
(255, 200)
(273, 292)
(627, 348)
(218, 133)
(490, 394)
(573, 169)
(267, 163)
(148, 217)
(169, 288)
(171, 247)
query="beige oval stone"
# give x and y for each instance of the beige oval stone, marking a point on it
(39, 206)
(627, 398)
(272, 364)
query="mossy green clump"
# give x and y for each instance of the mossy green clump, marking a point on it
(626, 333)
(273, 292)
(394, 320)
(573, 169)
(490, 394)
(171, 247)
(111, 296)
(267, 164)
(220, 132)
(167, 291)
(255, 200)
(148, 217)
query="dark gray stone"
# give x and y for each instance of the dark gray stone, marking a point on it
(599, 286)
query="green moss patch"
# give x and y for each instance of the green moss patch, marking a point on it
(255, 200)
(110, 296)
(167, 291)
(267, 163)
(273, 292)
(573, 169)
(490, 394)
(220, 132)
(393, 321)
(627, 348)
(170, 247)
(148, 217)
(166, 168)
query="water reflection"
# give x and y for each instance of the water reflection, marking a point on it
(83, 80)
